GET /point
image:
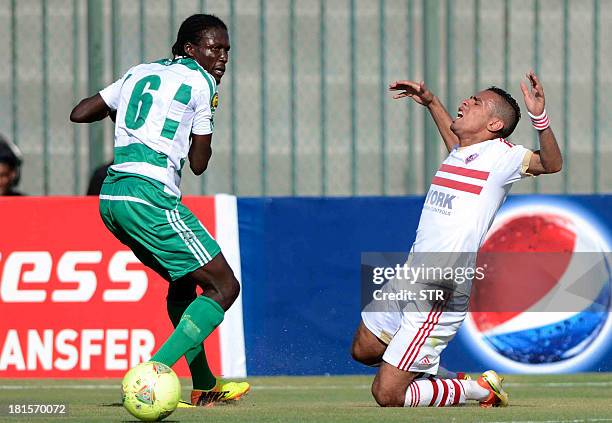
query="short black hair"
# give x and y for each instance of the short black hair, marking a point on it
(9, 153)
(191, 31)
(508, 110)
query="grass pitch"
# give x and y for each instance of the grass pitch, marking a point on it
(565, 398)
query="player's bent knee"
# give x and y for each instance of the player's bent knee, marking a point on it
(229, 289)
(233, 290)
(361, 355)
(387, 397)
(365, 348)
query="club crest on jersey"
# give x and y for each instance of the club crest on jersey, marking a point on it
(214, 102)
(471, 158)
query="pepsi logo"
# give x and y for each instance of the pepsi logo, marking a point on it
(520, 320)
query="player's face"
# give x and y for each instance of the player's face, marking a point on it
(212, 52)
(474, 113)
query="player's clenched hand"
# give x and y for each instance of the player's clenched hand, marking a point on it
(418, 91)
(534, 97)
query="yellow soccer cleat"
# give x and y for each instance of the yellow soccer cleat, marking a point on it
(222, 392)
(235, 390)
(185, 404)
(491, 381)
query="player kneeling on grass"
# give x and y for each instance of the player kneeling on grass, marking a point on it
(465, 194)
(164, 114)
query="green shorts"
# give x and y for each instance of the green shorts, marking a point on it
(161, 232)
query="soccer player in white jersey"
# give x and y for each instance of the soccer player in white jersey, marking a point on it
(163, 113)
(465, 194)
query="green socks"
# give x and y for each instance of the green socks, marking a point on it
(201, 376)
(193, 323)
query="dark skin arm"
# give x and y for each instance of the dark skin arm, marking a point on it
(199, 153)
(91, 109)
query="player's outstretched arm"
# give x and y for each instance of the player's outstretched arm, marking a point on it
(419, 92)
(548, 158)
(200, 153)
(91, 109)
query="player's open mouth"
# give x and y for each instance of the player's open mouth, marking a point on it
(219, 71)
(459, 114)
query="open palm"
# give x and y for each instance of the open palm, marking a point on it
(534, 97)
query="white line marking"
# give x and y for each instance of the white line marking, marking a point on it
(305, 387)
(559, 384)
(556, 421)
(117, 384)
(24, 387)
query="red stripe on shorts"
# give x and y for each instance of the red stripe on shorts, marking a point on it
(415, 353)
(417, 337)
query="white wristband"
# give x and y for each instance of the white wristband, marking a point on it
(540, 122)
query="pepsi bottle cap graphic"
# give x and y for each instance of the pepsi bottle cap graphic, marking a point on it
(543, 304)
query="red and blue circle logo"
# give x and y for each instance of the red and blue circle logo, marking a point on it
(544, 303)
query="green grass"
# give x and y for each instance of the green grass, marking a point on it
(573, 398)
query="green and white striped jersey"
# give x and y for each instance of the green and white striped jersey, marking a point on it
(158, 106)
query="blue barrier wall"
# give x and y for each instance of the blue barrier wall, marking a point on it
(301, 276)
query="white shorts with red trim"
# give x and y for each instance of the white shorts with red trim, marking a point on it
(415, 338)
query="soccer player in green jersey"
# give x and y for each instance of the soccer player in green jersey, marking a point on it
(163, 113)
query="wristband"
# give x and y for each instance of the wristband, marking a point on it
(540, 122)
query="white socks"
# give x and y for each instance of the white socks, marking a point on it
(434, 392)
(473, 391)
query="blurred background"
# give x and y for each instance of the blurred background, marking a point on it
(304, 106)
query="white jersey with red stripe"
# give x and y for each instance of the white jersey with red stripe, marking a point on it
(465, 194)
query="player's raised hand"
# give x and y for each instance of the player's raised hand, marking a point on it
(418, 91)
(534, 97)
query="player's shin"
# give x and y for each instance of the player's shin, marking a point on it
(198, 321)
(433, 392)
(201, 376)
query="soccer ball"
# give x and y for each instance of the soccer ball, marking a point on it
(150, 391)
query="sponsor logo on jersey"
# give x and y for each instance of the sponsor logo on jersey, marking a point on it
(439, 202)
(471, 158)
(534, 338)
